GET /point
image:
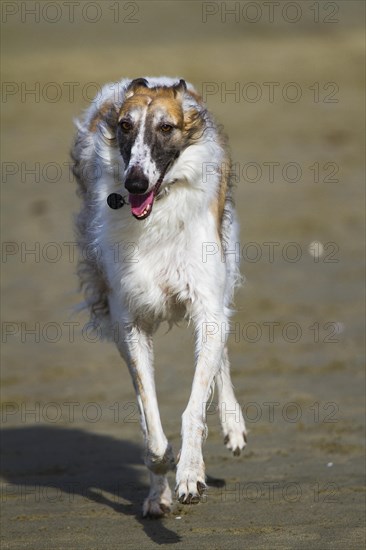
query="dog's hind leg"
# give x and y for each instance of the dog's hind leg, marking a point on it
(231, 417)
(135, 346)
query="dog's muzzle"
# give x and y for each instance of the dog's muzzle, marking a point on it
(136, 184)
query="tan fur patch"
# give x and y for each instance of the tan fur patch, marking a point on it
(99, 115)
(153, 97)
(171, 105)
(218, 205)
(193, 124)
(136, 100)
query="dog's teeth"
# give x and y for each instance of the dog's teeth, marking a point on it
(146, 210)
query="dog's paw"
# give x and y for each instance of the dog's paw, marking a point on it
(156, 507)
(159, 501)
(235, 441)
(190, 486)
(235, 433)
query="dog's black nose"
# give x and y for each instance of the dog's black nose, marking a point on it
(136, 181)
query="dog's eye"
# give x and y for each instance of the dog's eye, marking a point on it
(166, 128)
(126, 125)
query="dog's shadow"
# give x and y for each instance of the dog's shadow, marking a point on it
(72, 462)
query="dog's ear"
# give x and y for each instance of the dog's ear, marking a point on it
(180, 88)
(138, 83)
(135, 84)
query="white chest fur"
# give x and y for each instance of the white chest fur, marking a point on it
(158, 265)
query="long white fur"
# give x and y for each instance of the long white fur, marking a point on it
(156, 269)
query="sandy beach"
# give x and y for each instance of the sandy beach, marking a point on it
(286, 81)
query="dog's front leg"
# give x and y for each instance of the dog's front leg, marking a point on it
(190, 479)
(135, 346)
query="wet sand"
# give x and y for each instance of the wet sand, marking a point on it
(72, 471)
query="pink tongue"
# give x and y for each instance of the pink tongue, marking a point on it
(140, 202)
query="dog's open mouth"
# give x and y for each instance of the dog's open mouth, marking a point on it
(141, 205)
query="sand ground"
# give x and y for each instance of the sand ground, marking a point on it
(72, 473)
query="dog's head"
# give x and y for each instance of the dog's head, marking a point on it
(153, 129)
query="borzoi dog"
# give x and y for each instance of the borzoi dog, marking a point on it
(159, 225)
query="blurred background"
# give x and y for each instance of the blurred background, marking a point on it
(286, 80)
